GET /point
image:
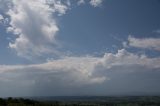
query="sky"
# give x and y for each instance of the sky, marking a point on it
(79, 47)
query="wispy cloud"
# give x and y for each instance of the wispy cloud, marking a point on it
(144, 43)
(96, 3)
(157, 31)
(81, 2)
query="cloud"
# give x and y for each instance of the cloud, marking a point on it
(5, 5)
(96, 3)
(58, 6)
(111, 72)
(73, 69)
(1, 17)
(3, 20)
(144, 43)
(81, 2)
(66, 73)
(157, 31)
(34, 25)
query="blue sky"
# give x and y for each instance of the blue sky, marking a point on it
(79, 47)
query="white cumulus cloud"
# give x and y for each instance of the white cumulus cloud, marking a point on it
(34, 25)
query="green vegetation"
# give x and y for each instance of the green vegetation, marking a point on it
(105, 101)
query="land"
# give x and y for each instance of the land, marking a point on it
(82, 101)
